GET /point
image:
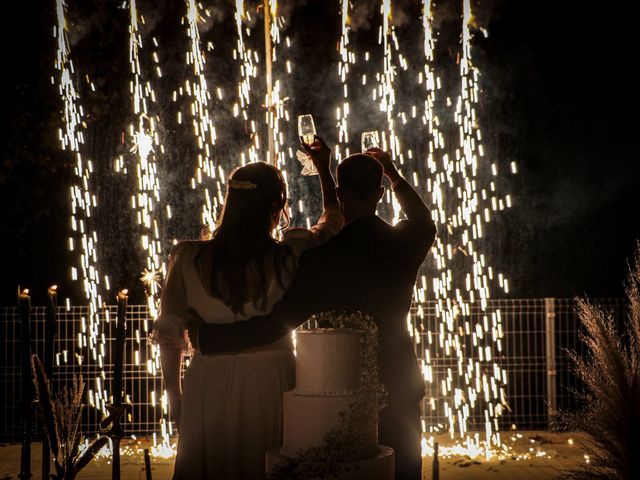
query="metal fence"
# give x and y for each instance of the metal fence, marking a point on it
(537, 336)
(142, 376)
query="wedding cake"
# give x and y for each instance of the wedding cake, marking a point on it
(328, 380)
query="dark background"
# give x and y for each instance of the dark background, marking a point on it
(558, 96)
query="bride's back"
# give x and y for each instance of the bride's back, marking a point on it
(259, 277)
(241, 261)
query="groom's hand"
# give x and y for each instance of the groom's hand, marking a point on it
(384, 158)
(194, 321)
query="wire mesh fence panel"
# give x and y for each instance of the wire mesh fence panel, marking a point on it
(568, 339)
(75, 356)
(523, 355)
(523, 358)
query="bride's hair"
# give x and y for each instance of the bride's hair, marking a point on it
(242, 244)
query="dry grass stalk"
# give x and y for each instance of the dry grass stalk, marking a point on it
(61, 417)
(611, 374)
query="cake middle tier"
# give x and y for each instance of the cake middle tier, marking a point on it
(308, 418)
(328, 361)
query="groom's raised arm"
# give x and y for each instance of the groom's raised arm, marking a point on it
(303, 298)
(419, 228)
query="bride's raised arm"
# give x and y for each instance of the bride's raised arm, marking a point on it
(331, 221)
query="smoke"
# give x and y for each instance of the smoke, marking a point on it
(214, 13)
(254, 8)
(285, 9)
(361, 15)
(82, 20)
(365, 13)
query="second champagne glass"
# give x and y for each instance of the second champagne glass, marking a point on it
(370, 140)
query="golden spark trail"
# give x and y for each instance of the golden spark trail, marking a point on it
(470, 336)
(489, 378)
(346, 57)
(146, 201)
(247, 71)
(203, 127)
(277, 114)
(386, 94)
(83, 206)
(274, 102)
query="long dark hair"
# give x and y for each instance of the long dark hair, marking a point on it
(242, 242)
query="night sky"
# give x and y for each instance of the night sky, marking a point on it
(558, 97)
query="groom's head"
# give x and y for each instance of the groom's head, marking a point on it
(359, 185)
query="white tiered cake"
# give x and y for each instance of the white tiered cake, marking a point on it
(328, 373)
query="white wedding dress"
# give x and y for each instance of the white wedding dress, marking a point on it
(231, 410)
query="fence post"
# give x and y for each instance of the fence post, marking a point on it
(550, 350)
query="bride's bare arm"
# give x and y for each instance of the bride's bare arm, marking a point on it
(331, 220)
(171, 360)
(169, 330)
(320, 154)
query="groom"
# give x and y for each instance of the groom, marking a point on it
(369, 266)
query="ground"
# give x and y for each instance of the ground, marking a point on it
(529, 456)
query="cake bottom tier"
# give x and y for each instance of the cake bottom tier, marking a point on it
(380, 467)
(308, 418)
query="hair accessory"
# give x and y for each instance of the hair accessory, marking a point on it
(241, 184)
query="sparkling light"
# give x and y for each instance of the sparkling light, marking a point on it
(83, 200)
(199, 91)
(248, 70)
(346, 57)
(458, 275)
(146, 201)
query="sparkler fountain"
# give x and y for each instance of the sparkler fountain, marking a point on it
(345, 58)
(146, 201)
(462, 276)
(203, 126)
(466, 338)
(83, 207)
(247, 71)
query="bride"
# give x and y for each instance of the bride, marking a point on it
(229, 410)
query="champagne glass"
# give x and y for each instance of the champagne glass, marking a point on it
(307, 130)
(370, 140)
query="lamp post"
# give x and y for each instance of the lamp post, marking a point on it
(26, 400)
(112, 425)
(51, 318)
(268, 55)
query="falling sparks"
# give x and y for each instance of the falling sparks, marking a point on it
(386, 94)
(277, 115)
(83, 200)
(203, 127)
(458, 275)
(248, 70)
(146, 200)
(276, 112)
(345, 58)
(462, 207)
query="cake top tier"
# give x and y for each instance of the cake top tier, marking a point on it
(328, 361)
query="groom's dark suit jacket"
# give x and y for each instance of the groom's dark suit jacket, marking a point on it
(369, 266)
